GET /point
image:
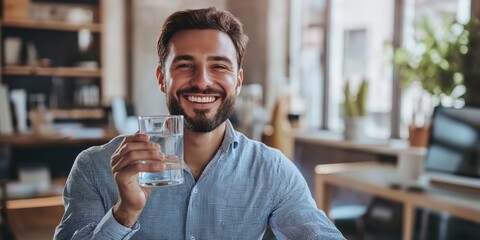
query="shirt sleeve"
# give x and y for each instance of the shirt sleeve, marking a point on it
(295, 214)
(85, 215)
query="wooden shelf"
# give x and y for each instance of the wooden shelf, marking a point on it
(55, 140)
(51, 25)
(35, 202)
(79, 114)
(48, 71)
(50, 199)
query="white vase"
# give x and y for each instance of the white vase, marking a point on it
(12, 46)
(354, 128)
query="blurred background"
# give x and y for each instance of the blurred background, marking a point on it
(337, 85)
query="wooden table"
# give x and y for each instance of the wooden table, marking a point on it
(374, 179)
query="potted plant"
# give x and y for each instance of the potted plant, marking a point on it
(355, 110)
(444, 62)
(443, 59)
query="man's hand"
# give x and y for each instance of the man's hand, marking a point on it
(126, 163)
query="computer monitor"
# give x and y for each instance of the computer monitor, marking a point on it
(453, 152)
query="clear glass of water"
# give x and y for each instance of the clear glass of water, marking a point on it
(167, 131)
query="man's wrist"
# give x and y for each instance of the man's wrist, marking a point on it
(125, 217)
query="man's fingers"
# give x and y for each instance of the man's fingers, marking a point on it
(127, 172)
(135, 146)
(137, 137)
(131, 145)
(133, 157)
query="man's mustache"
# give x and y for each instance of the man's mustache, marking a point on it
(197, 90)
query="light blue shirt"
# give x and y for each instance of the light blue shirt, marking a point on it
(246, 186)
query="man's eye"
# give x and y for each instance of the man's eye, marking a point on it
(220, 67)
(185, 65)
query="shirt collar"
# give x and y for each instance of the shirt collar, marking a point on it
(230, 138)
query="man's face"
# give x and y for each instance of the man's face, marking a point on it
(201, 78)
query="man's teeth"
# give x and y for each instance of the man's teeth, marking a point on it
(201, 99)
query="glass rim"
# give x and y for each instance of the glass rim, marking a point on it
(159, 116)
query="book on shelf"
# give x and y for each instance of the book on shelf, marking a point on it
(6, 126)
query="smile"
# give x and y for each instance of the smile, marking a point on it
(201, 99)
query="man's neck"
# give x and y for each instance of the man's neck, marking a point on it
(201, 147)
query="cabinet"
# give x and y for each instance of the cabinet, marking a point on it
(53, 48)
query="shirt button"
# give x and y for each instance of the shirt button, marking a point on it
(195, 190)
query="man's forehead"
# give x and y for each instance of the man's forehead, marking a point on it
(208, 43)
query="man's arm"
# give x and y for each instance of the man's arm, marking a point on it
(85, 214)
(295, 215)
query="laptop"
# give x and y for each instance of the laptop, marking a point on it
(453, 151)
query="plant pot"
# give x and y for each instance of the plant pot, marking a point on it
(354, 128)
(418, 136)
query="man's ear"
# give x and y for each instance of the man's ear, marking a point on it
(239, 82)
(160, 78)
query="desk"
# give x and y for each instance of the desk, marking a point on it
(325, 147)
(390, 147)
(374, 179)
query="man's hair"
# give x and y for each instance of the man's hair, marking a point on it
(205, 18)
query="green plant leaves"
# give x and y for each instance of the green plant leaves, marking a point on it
(442, 58)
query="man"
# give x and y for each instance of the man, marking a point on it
(234, 187)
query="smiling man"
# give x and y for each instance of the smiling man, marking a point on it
(234, 187)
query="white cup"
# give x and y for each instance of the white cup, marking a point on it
(409, 165)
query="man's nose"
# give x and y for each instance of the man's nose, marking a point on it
(202, 80)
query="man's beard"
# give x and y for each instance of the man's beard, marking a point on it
(201, 123)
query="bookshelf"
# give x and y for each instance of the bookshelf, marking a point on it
(60, 52)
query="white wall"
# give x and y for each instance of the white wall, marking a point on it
(266, 25)
(113, 50)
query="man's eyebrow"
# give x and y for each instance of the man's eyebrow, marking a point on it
(211, 58)
(182, 57)
(220, 58)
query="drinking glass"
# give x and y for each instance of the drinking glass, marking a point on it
(167, 131)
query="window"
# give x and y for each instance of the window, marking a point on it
(357, 38)
(306, 59)
(360, 31)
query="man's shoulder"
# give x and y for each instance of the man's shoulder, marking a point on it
(260, 152)
(247, 143)
(105, 151)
